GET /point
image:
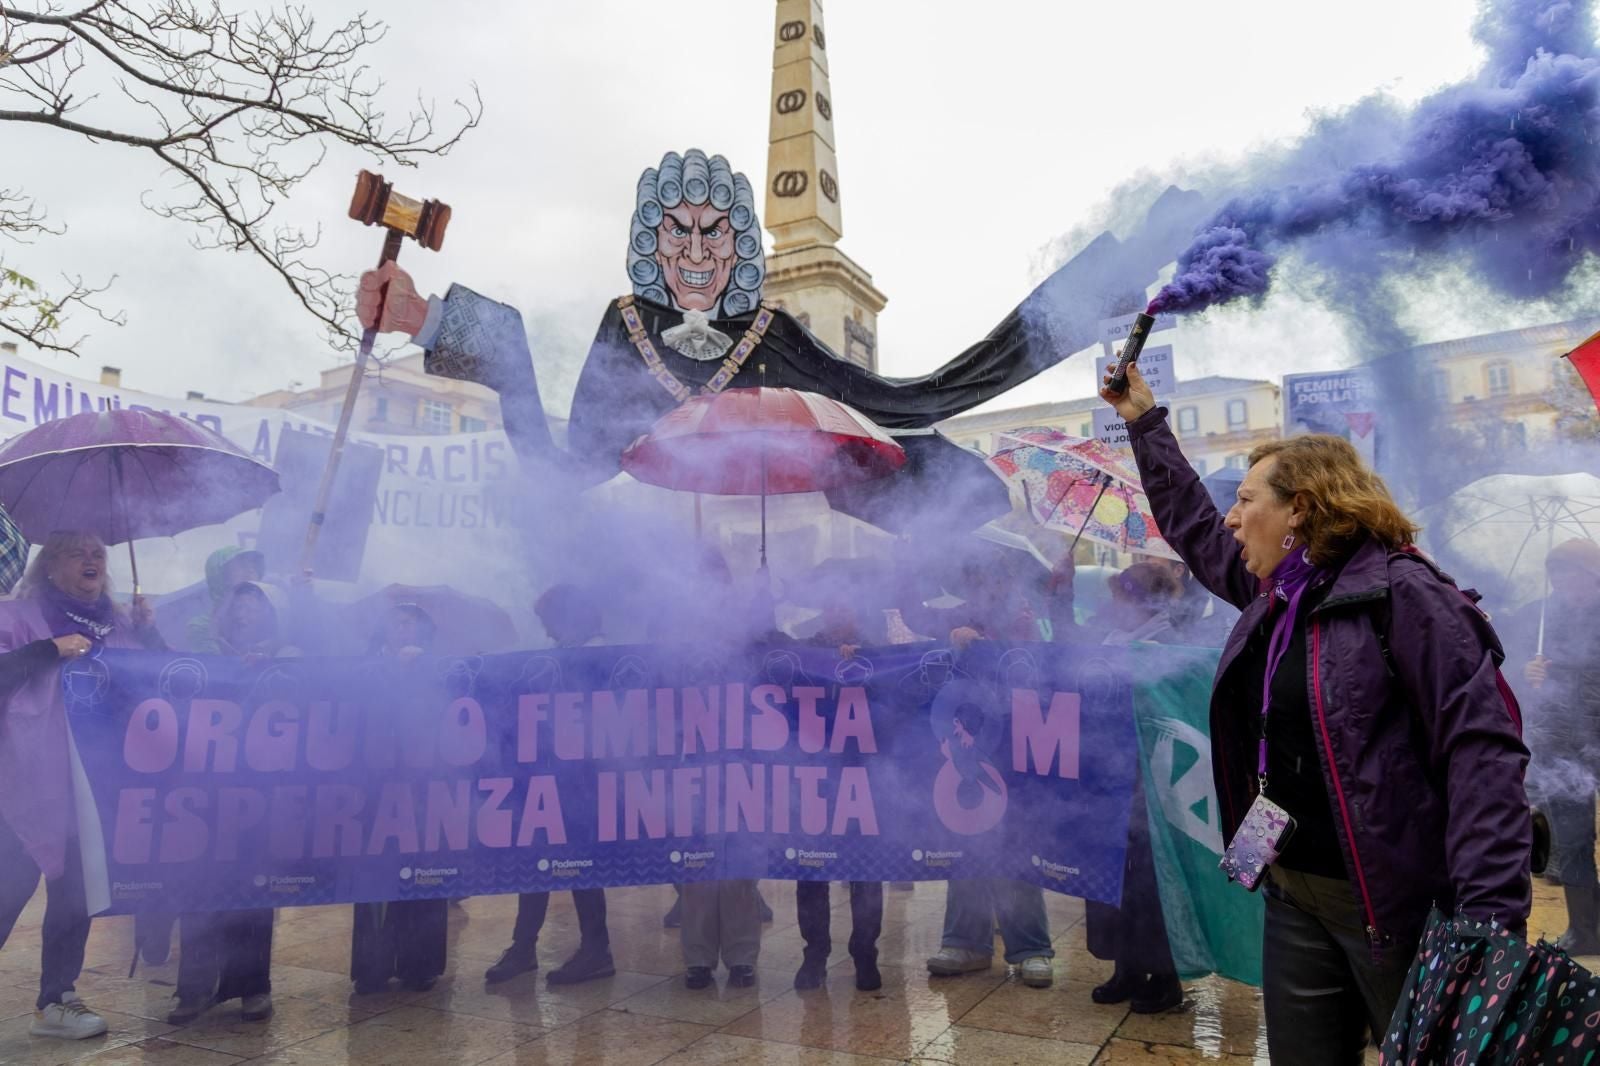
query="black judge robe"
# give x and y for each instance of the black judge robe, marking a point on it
(617, 399)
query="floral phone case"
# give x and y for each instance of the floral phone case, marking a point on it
(1266, 828)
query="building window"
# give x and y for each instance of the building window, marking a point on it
(1188, 420)
(1200, 467)
(436, 416)
(473, 425)
(1239, 462)
(1238, 414)
(1086, 429)
(380, 410)
(1499, 375)
(1441, 385)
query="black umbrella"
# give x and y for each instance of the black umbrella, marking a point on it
(942, 487)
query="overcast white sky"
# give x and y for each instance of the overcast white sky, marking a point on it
(969, 136)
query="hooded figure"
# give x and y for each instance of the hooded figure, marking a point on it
(225, 568)
(246, 623)
(227, 955)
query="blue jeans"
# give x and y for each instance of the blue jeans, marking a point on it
(971, 909)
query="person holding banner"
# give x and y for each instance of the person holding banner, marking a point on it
(63, 611)
(225, 955)
(973, 907)
(1133, 933)
(405, 939)
(841, 629)
(571, 620)
(226, 569)
(1359, 701)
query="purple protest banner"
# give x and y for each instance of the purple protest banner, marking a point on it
(209, 784)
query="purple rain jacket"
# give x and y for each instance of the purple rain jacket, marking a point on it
(1421, 745)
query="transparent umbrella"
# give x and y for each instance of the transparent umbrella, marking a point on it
(1507, 523)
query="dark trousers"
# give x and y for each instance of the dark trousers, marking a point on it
(225, 954)
(403, 938)
(591, 907)
(66, 914)
(866, 918)
(1572, 827)
(1324, 991)
(1134, 934)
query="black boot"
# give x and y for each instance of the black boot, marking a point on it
(587, 965)
(1158, 994)
(1583, 920)
(1119, 989)
(518, 959)
(812, 973)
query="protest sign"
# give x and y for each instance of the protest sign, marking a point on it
(1343, 403)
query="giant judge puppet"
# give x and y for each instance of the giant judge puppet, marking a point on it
(696, 322)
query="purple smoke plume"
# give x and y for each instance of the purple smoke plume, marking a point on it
(1502, 170)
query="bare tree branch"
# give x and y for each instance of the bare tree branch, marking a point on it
(239, 106)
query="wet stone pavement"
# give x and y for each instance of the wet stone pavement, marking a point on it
(643, 1015)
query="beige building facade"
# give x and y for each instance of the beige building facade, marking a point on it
(396, 398)
(1219, 419)
(1510, 379)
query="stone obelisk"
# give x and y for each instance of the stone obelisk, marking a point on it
(807, 273)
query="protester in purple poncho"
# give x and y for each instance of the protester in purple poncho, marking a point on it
(1360, 693)
(63, 610)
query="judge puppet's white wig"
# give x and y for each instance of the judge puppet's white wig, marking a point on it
(693, 178)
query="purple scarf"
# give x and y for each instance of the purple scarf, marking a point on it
(66, 614)
(1289, 582)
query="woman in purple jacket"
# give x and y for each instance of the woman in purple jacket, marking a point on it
(1360, 692)
(62, 611)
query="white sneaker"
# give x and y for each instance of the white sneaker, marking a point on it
(71, 1019)
(1037, 972)
(952, 961)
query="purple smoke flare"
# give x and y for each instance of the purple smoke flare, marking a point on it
(1501, 170)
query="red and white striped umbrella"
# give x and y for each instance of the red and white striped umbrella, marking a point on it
(761, 442)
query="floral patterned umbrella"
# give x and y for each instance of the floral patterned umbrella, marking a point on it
(1081, 486)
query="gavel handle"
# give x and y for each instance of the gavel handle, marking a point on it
(391, 253)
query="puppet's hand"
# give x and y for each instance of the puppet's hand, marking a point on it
(403, 310)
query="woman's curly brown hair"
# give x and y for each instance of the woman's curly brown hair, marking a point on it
(1344, 501)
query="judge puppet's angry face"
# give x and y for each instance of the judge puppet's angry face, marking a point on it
(695, 252)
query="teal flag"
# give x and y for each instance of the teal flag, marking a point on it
(1214, 926)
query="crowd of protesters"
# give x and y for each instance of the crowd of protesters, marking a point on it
(1357, 691)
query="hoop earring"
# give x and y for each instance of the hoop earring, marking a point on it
(1288, 542)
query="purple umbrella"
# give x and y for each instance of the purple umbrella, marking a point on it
(126, 475)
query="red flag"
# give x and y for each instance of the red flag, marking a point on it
(1586, 361)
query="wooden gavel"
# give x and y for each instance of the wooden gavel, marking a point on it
(375, 203)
